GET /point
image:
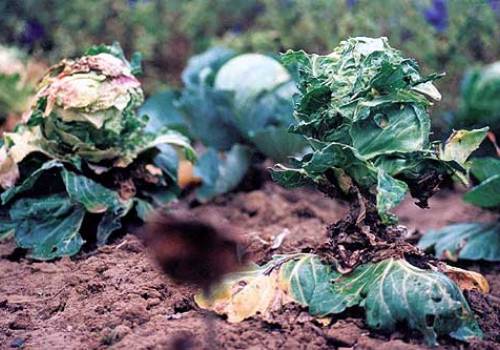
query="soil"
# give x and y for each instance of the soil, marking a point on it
(116, 297)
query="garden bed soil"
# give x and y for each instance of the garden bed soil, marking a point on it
(115, 297)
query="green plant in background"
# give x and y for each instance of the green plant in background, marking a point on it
(465, 32)
(472, 240)
(248, 97)
(168, 32)
(236, 104)
(479, 103)
(83, 160)
(16, 83)
(363, 110)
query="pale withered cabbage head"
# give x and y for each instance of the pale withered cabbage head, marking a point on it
(83, 159)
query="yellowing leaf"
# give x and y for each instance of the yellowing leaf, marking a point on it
(462, 143)
(243, 295)
(185, 174)
(467, 280)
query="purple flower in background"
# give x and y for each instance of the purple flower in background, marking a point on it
(237, 28)
(495, 5)
(32, 32)
(437, 15)
(133, 3)
(351, 3)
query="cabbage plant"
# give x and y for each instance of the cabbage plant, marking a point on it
(363, 110)
(479, 103)
(236, 106)
(247, 97)
(83, 162)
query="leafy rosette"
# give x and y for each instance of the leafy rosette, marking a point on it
(363, 109)
(83, 158)
(248, 97)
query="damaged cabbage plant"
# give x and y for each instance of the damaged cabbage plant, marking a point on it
(363, 110)
(237, 106)
(472, 240)
(18, 77)
(82, 162)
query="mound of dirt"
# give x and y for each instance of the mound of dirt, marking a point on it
(117, 298)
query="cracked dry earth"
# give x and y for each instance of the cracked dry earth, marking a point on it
(116, 298)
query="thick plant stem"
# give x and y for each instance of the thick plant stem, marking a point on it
(361, 237)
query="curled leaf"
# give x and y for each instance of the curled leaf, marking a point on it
(467, 280)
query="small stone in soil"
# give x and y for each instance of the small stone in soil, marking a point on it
(17, 342)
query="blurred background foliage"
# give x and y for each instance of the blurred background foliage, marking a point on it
(442, 35)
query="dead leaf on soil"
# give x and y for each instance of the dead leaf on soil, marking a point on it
(467, 280)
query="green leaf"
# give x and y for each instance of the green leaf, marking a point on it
(167, 160)
(479, 105)
(486, 194)
(390, 192)
(136, 63)
(391, 129)
(204, 107)
(7, 227)
(143, 208)
(94, 197)
(309, 282)
(289, 177)
(468, 241)
(391, 291)
(176, 139)
(483, 168)
(394, 291)
(97, 199)
(29, 182)
(462, 143)
(201, 68)
(221, 175)
(48, 227)
(277, 143)
(162, 112)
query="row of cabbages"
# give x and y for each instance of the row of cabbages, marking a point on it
(90, 158)
(88, 123)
